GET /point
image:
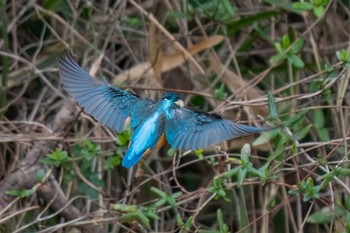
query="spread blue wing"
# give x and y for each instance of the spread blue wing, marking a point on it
(190, 130)
(109, 105)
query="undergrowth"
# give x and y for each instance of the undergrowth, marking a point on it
(277, 64)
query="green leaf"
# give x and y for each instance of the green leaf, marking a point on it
(199, 154)
(318, 118)
(296, 118)
(40, 175)
(279, 151)
(278, 47)
(285, 42)
(272, 106)
(296, 61)
(21, 193)
(171, 152)
(189, 223)
(324, 134)
(125, 208)
(277, 58)
(29, 192)
(245, 153)
(112, 162)
(159, 192)
(123, 139)
(220, 93)
(328, 68)
(13, 192)
(179, 220)
(303, 6)
(228, 8)
(220, 218)
(302, 133)
(343, 55)
(266, 137)
(319, 11)
(232, 172)
(297, 46)
(242, 174)
(139, 216)
(57, 158)
(323, 216)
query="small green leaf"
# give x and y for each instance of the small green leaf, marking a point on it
(29, 192)
(179, 220)
(125, 208)
(323, 216)
(228, 7)
(220, 218)
(324, 134)
(297, 46)
(302, 133)
(232, 172)
(266, 137)
(139, 216)
(112, 162)
(343, 55)
(245, 153)
(285, 42)
(328, 68)
(56, 158)
(319, 11)
(296, 118)
(318, 118)
(303, 6)
(40, 175)
(21, 193)
(159, 192)
(272, 106)
(171, 152)
(277, 58)
(278, 47)
(220, 92)
(199, 154)
(189, 223)
(296, 61)
(242, 174)
(13, 192)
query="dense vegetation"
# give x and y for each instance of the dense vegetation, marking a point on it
(282, 64)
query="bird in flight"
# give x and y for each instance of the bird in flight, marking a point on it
(153, 122)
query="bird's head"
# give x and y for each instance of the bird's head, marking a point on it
(173, 97)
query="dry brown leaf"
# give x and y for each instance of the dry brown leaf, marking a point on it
(169, 62)
(96, 65)
(155, 52)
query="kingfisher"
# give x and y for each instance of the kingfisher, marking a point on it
(153, 122)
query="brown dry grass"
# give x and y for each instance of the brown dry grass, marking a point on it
(139, 46)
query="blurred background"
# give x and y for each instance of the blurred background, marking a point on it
(268, 63)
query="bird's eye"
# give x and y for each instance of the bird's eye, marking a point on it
(179, 103)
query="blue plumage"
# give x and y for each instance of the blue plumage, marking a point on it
(153, 122)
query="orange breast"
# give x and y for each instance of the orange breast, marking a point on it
(161, 142)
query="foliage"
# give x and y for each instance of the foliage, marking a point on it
(282, 65)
